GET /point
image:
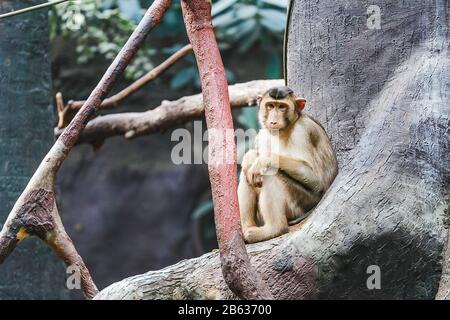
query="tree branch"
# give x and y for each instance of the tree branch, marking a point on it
(168, 114)
(116, 99)
(238, 273)
(288, 275)
(35, 213)
(32, 8)
(290, 264)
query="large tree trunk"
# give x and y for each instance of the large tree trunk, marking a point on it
(33, 271)
(383, 96)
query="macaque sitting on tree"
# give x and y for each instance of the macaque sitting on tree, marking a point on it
(287, 173)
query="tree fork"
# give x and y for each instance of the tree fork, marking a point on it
(35, 212)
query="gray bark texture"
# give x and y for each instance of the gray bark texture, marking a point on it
(32, 271)
(383, 97)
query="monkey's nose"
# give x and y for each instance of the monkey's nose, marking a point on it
(273, 123)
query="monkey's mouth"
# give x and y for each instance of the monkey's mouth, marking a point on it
(275, 127)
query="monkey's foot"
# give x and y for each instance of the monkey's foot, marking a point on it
(257, 234)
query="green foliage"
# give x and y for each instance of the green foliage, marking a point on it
(101, 28)
(246, 22)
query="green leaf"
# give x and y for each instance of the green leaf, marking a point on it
(131, 9)
(221, 6)
(203, 209)
(108, 4)
(226, 19)
(245, 12)
(250, 40)
(242, 29)
(277, 3)
(272, 19)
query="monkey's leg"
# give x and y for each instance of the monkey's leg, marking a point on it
(272, 207)
(299, 201)
(247, 197)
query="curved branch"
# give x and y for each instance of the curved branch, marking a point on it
(116, 99)
(35, 213)
(168, 114)
(238, 273)
(288, 275)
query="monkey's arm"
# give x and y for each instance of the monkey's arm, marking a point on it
(250, 170)
(248, 159)
(299, 170)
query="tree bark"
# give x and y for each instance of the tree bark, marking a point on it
(383, 97)
(240, 276)
(33, 271)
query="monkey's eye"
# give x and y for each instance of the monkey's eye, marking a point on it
(283, 108)
(269, 106)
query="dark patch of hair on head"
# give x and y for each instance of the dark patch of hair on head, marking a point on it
(279, 92)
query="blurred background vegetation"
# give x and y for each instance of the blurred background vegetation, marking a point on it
(100, 28)
(128, 208)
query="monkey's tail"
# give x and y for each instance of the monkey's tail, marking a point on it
(299, 219)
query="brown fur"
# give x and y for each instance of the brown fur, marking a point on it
(278, 188)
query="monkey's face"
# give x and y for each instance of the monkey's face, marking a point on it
(278, 108)
(277, 114)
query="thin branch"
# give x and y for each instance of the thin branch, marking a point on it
(62, 111)
(32, 8)
(114, 100)
(35, 213)
(168, 114)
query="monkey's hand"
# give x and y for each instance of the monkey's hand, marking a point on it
(256, 172)
(254, 177)
(247, 163)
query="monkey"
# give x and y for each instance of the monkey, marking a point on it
(289, 169)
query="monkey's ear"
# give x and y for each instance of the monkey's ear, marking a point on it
(301, 102)
(258, 98)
